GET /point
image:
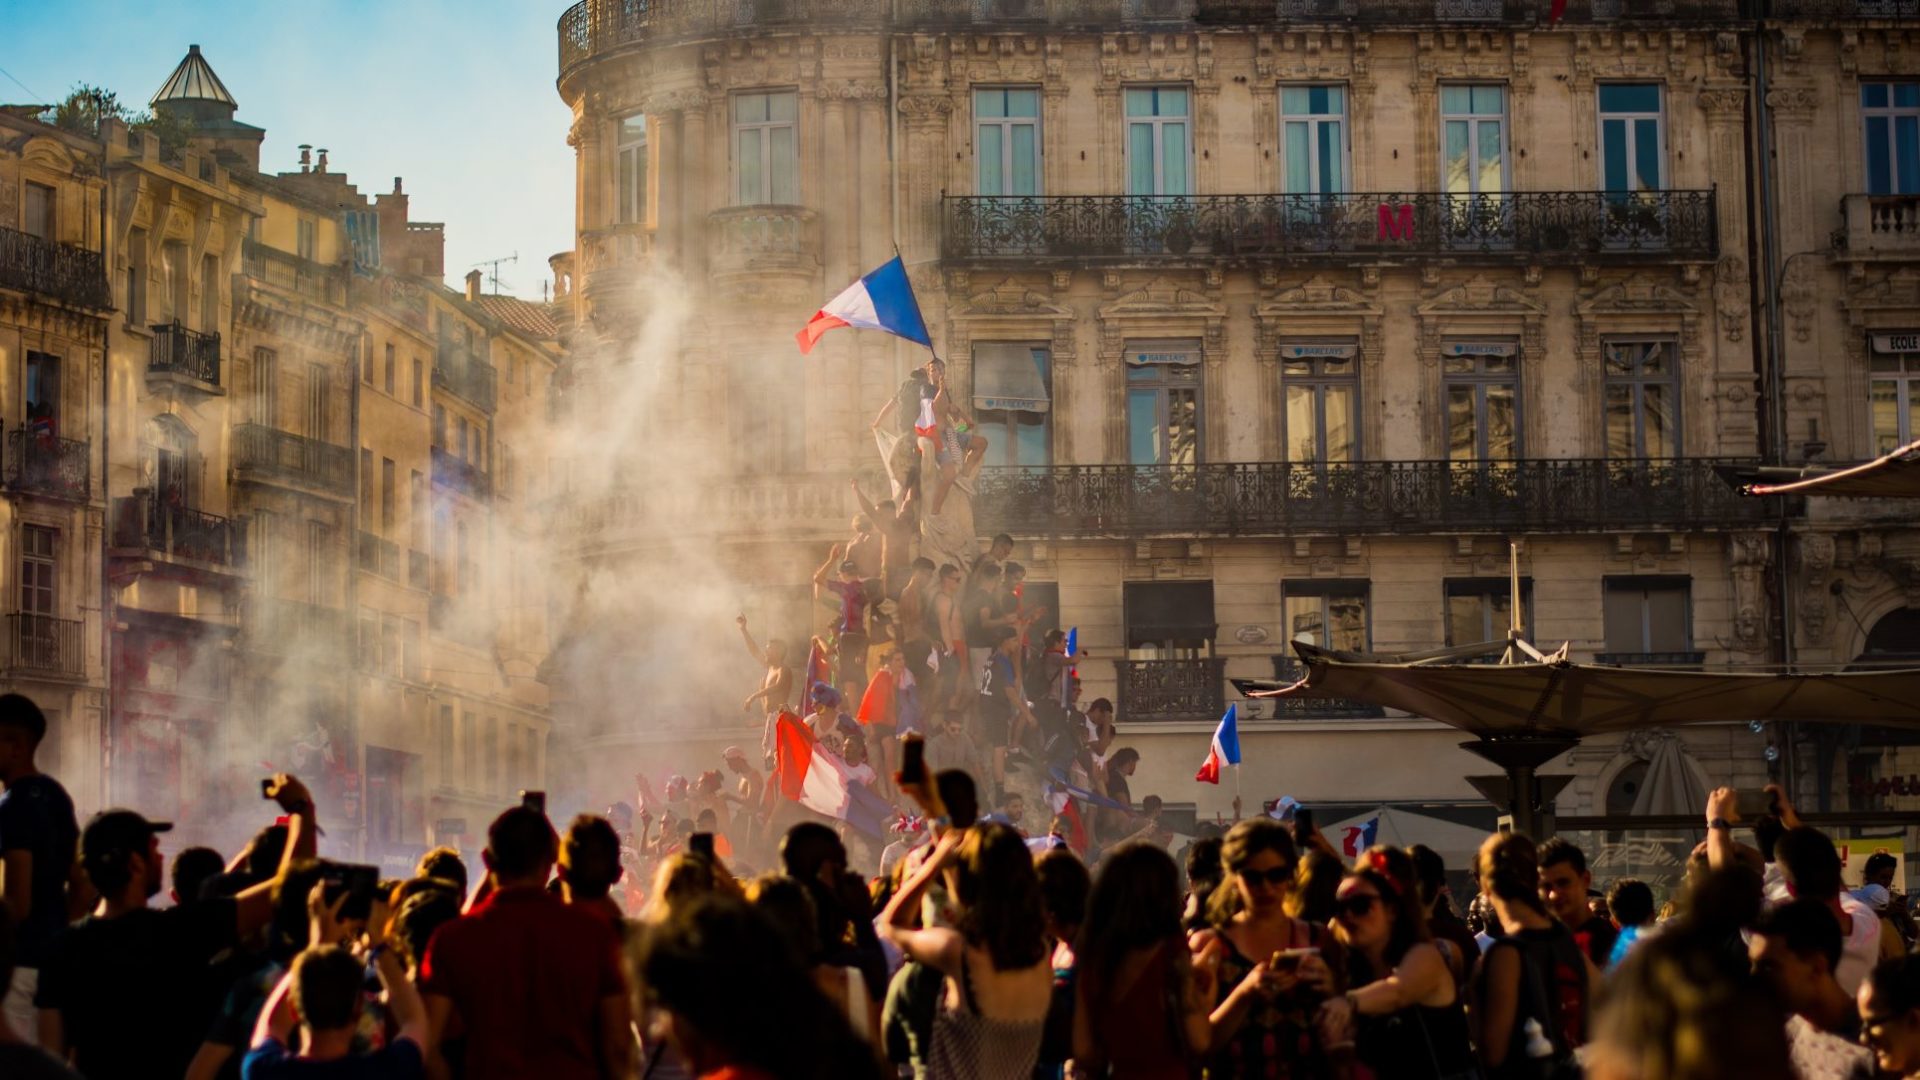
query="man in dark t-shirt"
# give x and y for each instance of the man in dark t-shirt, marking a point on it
(1565, 883)
(38, 841)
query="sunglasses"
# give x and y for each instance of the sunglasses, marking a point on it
(1358, 906)
(1279, 875)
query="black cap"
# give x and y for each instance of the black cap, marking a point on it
(115, 834)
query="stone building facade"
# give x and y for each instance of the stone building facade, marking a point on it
(1285, 321)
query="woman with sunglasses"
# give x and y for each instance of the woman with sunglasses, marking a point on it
(1140, 1013)
(1403, 1000)
(1270, 972)
(1534, 985)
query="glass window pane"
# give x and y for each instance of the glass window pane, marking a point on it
(1026, 160)
(1653, 357)
(1624, 616)
(1143, 427)
(1906, 154)
(1630, 97)
(1492, 173)
(1879, 157)
(1489, 100)
(780, 166)
(1140, 177)
(752, 180)
(1906, 95)
(1657, 426)
(1172, 101)
(1023, 103)
(1302, 427)
(1454, 175)
(1884, 404)
(1340, 423)
(1466, 620)
(1140, 101)
(748, 108)
(989, 104)
(1503, 430)
(1173, 160)
(1347, 623)
(992, 160)
(1332, 147)
(1034, 446)
(1913, 416)
(1306, 619)
(1299, 158)
(1620, 442)
(782, 106)
(1296, 100)
(1336, 365)
(1336, 100)
(1667, 620)
(1183, 427)
(1873, 95)
(1613, 154)
(1455, 100)
(1457, 365)
(1462, 432)
(1646, 155)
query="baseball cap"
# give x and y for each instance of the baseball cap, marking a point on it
(1874, 896)
(115, 834)
(732, 752)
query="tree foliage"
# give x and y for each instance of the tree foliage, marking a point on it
(86, 106)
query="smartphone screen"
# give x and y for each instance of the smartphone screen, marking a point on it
(913, 761)
(535, 801)
(356, 881)
(1303, 821)
(701, 843)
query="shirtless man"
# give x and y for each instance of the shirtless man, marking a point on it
(776, 687)
(912, 630)
(864, 550)
(951, 624)
(959, 446)
(897, 532)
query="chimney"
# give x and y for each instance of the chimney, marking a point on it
(306, 156)
(396, 186)
(322, 166)
(473, 284)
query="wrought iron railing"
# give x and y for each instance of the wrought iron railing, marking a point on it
(465, 373)
(176, 350)
(1273, 498)
(48, 464)
(593, 28)
(59, 271)
(449, 471)
(1287, 668)
(45, 645)
(264, 453)
(1845, 9)
(1172, 689)
(1652, 659)
(177, 531)
(1524, 226)
(378, 555)
(315, 281)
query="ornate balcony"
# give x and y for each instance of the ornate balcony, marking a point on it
(142, 525)
(1172, 689)
(763, 240)
(1845, 9)
(312, 280)
(48, 465)
(1286, 668)
(1882, 227)
(595, 28)
(464, 373)
(1517, 227)
(454, 474)
(60, 272)
(789, 506)
(176, 350)
(1280, 498)
(378, 555)
(270, 455)
(45, 646)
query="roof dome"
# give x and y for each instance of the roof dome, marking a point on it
(194, 80)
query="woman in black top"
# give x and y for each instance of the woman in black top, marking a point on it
(1405, 1004)
(1535, 985)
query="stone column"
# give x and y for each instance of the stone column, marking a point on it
(696, 196)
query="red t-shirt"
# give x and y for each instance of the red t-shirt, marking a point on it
(526, 974)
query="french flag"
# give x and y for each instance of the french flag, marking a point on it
(883, 300)
(1360, 837)
(1225, 750)
(815, 777)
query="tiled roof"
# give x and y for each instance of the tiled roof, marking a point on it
(527, 317)
(193, 80)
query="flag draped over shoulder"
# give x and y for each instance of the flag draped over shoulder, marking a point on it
(815, 777)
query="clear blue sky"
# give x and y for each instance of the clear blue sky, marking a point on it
(457, 98)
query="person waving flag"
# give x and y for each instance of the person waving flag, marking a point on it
(1225, 750)
(883, 300)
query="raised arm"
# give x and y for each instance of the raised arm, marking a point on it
(935, 947)
(746, 635)
(277, 1018)
(1722, 807)
(885, 411)
(255, 905)
(826, 568)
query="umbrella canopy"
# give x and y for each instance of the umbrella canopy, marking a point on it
(1560, 698)
(1399, 827)
(1670, 786)
(1892, 476)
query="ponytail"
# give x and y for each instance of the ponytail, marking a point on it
(1509, 868)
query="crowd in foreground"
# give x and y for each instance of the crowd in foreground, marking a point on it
(1265, 955)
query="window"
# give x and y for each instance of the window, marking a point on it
(173, 281)
(319, 389)
(173, 450)
(630, 205)
(319, 562)
(460, 441)
(1163, 403)
(210, 294)
(36, 219)
(1891, 112)
(366, 484)
(1012, 402)
(386, 377)
(42, 393)
(308, 238)
(1313, 139)
(410, 648)
(1320, 382)
(266, 401)
(765, 159)
(386, 496)
(263, 551)
(1473, 136)
(1330, 614)
(462, 555)
(419, 382)
(1647, 615)
(1895, 394)
(1159, 141)
(767, 425)
(1481, 609)
(1483, 402)
(1642, 405)
(1007, 140)
(418, 526)
(368, 653)
(137, 276)
(37, 570)
(1632, 155)
(440, 426)
(1168, 620)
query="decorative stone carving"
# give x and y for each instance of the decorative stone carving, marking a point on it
(1796, 296)
(1730, 296)
(1749, 555)
(1816, 562)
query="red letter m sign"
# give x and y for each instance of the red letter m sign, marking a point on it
(1396, 222)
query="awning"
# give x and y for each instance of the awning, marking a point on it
(1008, 378)
(1561, 698)
(1894, 476)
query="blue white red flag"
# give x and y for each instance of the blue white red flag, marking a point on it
(1359, 838)
(1225, 750)
(883, 300)
(816, 778)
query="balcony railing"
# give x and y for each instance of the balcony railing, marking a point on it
(454, 474)
(275, 456)
(1275, 498)
(140, 524)
(1526, 227)
(61, 272)
(44, 645)
(1693, 660)
(176, 350)
(594, 28)
(764, 239)
(1882, 226)
(48, 464)
(611, 246)
(1287, 668)
(377, 554)
(777, 504)
(467, 374)
(1845, 9)
(315, 281)
(1172, 689)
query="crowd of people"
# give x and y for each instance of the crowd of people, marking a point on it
(1261, 953)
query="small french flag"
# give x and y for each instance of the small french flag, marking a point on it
(883, 300)
(1359, 838)
(1225, 750)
